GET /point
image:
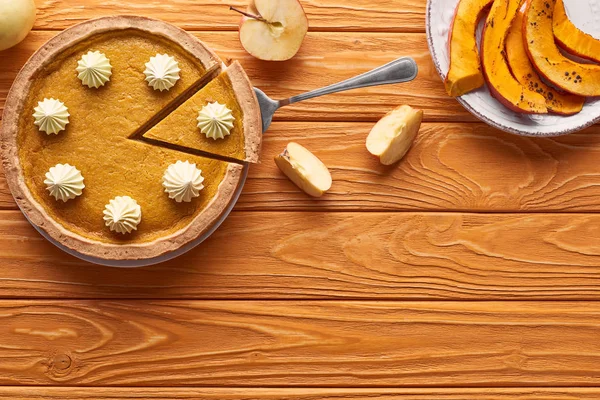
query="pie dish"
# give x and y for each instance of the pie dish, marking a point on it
(104, 139)
(481, 104)
(243, 143)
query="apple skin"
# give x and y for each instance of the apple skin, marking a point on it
(279, 36)
(304, 169)
(16, 20)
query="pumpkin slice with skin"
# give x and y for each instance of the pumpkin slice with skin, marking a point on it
(503, 86)
(566, 74)
(572, 38)
(523, 71)
(465, 72)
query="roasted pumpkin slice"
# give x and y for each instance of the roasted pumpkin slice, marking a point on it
(503, 86)
(571, 38)
(576, 78)
(523, 71)
(465, 72)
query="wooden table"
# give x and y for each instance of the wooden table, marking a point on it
(470, 270)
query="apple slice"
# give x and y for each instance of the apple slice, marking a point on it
(273, 30)
(502, 84)
(304, 169)
(464, 74)
(392, 135)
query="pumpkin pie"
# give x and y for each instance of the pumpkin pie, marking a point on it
(100, 138)
(240, 142)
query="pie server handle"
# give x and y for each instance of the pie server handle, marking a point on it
(401, 70)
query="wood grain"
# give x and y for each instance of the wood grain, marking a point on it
(120, 393)
(464, 167)
(323, 15)
(243, 343)
(244, 315)
(312, 68)
(257, 255)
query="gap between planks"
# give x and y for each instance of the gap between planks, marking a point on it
(246, 392)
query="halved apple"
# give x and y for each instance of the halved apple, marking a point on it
(304, 169)
(572, 38)
(523, 71)
(273, 30)
(464, 74)
(503, 86)
(576, 78)
(392, 135)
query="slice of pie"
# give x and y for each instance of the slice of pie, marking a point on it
(232, 91)
(117, 77)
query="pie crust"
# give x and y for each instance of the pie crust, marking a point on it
(247, 101)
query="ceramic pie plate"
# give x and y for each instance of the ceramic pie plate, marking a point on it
(585, 14)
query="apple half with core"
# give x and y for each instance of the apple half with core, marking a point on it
(392, 135)
(304, 169)
(273, 30)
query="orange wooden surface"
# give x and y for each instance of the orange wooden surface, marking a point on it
(470, 270)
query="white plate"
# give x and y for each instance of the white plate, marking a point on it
(155, 260)
(584, 13)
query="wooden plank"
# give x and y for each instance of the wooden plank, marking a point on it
(288, 343)
(466, 167)
(119, 393)
(6, 199)
(325, 58)
(323, 15)
(258, 255)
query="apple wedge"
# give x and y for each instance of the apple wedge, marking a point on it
(304, 169)
(503, 86)
(574, 77)
(392, 135)
(572, 38)
(524, 72)
(273, 30)
(464, 74)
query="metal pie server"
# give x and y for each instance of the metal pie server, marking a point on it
(403, 69)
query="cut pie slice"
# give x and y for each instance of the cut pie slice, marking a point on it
(231, 89)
